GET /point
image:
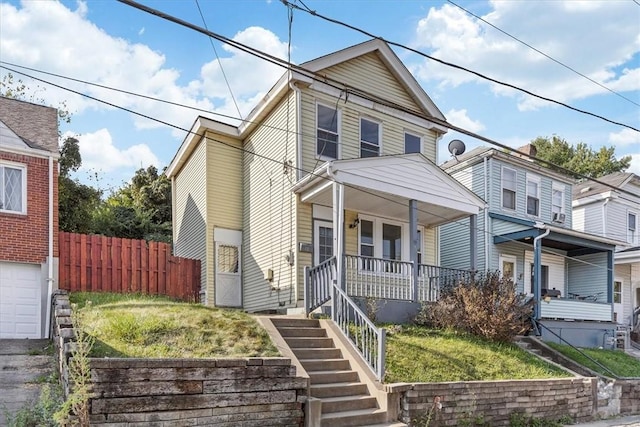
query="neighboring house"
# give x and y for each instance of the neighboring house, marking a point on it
(28, 217)
(616, 215)
(341, 167)
(525, 233)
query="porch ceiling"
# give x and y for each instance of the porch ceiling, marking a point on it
(567, 240)
(384, 185)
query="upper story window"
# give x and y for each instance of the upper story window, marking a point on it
(632, 228)
(412, 143)
(509, 187)
(557, 199)
(369, 138)
(328, 136)
(533, 195)
(13, 189)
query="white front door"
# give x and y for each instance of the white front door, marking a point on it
(228, 271)
(20, 300)
(323, 241)
(618, 301)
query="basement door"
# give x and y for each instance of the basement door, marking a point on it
(228, 271)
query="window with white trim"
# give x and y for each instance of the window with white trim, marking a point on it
(557, 199)
(509, 188)
(369, 138)
(412, 143)
(327, 132)
(632, 228)
(13, 188)
(533, 195)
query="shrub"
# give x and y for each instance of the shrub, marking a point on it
(488, 307)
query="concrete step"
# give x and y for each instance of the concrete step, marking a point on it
(325, 364)
(390, 424)
(348, 403)
(337, 389)
(362, 417)
(324, 377)
(316, 342)
(317, 353)
(295, 322)
(288, 331)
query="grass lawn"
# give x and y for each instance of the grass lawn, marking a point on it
(617, 361)
(418, 354)
(126, 325)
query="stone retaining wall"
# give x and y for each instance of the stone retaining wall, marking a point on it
(630, 395)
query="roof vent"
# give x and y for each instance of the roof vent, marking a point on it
(585, 189)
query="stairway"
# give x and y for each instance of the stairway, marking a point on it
(345, 399)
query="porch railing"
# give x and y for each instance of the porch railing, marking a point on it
(636, 319)
(366, 338)
(433, 280)
(317, 283)
(378, 278)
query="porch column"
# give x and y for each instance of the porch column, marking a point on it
(537, 272)
(413, 246)
(473, 241)
(338, 231)
(610, 268)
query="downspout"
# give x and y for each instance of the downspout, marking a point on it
(486, 213)
(537, 265)
(299, 167)
(50, 257)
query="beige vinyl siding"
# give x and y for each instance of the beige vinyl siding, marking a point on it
(361, 71)
(304, 214)
(269, 211)
(430, 245)
(191, 210)
(224, 195)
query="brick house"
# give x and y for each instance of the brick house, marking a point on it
(28, 216)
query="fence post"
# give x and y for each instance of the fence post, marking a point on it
(307, 293)
(382, 345)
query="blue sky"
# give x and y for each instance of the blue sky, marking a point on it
(113, 44)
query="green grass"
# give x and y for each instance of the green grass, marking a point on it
(617, 361)
(131, 325)
(418, 354)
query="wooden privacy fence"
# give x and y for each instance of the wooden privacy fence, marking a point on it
(92, 263)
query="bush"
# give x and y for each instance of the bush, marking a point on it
(488, 307)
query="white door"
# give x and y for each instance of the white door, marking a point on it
(617, 301)
(228, 271)
(20, 300)
(323, 241)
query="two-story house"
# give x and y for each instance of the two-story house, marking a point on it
(615, 214)
(335, 167)
(28, 217)
(526, 234)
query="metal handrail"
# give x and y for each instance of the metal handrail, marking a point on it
(317, 283)
(432, 280)
(367, 339)
(636, 318)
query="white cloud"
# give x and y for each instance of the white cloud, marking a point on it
(625, 137)
(450, 34)
(141, 31)
(461, 119)
(635, 164)
(99, 154)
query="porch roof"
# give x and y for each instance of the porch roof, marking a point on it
(384, 185)
(628, 256)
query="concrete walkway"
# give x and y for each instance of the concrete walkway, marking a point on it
(22, 367)
(633, 421)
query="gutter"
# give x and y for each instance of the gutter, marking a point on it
(50, 278)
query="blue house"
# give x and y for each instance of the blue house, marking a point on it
(526, 233)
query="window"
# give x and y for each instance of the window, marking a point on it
(533, 195)
(509, 185)
(12, 188)
(508, 267)
(369, 138)
(325, 243)
(632, 227)
(391, 242)
(617, 292)
(411, 143)
(327, 132)
(557, 199)
(366, 238)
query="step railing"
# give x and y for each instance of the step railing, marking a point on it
(367, 339)
(317, 283)
(635, 324)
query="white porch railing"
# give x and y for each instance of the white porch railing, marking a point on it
(557, 308)
(378, 278)
(317, 284)
(366, 338)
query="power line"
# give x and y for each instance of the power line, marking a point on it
(456, 66)
(312, 173)
(543, 54)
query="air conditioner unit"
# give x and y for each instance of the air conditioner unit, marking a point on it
(558, 217)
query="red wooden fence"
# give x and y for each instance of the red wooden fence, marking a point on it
(91, 263)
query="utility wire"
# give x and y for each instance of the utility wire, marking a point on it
(312, 173)
(544, 54)
(226, 80)
(456, 66)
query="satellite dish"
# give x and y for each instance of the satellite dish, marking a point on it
(456, 147)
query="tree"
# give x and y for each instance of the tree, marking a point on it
(580, 158)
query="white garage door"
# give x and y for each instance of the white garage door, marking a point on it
(20, 293)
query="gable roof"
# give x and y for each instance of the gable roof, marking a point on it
(589, 188)
(35, 125)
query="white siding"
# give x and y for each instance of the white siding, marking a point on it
(588, 275)
(616, 219)
(623, 273)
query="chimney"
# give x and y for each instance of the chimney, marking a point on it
(525, 151)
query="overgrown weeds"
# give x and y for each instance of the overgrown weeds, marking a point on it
(40, 413)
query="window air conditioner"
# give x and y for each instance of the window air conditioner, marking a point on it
(558, 217)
